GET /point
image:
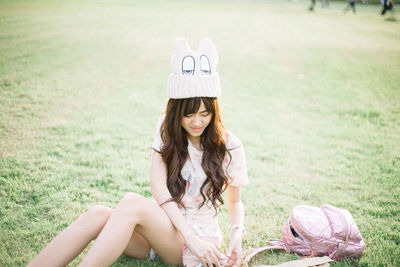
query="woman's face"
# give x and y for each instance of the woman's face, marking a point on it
(196, 123)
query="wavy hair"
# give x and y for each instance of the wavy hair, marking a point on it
(175, 152)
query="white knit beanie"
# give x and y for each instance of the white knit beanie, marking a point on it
(193, 72)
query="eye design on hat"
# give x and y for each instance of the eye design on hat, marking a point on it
(188, 65)
(205, 65)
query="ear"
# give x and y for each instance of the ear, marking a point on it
(208, 48)
(181, 48)
(181, 45)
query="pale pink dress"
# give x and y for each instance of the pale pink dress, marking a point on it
(204, 221)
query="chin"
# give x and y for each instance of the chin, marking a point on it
(196, 134)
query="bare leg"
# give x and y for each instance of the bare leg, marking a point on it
(138, 247)
(134, 212)
(67, 245)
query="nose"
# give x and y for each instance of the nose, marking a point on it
(197, 122)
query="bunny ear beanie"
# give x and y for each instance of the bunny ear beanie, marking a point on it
(193, 73)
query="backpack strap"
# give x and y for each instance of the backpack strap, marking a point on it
(304, 262)
(276, 244)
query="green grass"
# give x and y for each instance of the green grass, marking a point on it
(314, 97)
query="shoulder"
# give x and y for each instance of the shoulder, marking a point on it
(232, 141)
(160, 120)
(157, 141)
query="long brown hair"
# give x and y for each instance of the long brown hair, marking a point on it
(175, 152)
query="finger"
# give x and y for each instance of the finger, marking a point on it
(215, 258)
(223, 260)
(229, 261)
(239, 255)
(229, 253)
(203, 261)
(209, 263)
(208, 260)
(233, 260)
(213, 253)
(237, 259)
(234, 257)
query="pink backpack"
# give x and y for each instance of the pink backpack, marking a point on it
(311, 231)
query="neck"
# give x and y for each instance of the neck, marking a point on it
(195, 140)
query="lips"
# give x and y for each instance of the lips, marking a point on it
(196, 130)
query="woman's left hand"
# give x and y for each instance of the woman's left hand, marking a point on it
(234, 253)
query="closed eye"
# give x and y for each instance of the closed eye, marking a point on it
(188, 65)
(188, 72)
(205, 65)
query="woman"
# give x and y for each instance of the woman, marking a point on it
(195, 159)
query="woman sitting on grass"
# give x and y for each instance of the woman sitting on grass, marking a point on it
(195, 159)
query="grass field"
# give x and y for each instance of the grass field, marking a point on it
(314, 97)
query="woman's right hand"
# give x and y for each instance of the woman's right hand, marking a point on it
(205, 251)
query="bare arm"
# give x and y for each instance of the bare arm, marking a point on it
(235, 206)
(236, 217)
(159, 190)
(205, 251)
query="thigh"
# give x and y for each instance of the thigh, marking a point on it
(137, 247)
(159, 232)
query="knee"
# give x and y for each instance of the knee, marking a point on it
(131, 204)
(98, 213)
(131, 200)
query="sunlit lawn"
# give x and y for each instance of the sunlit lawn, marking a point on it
(314, 97)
